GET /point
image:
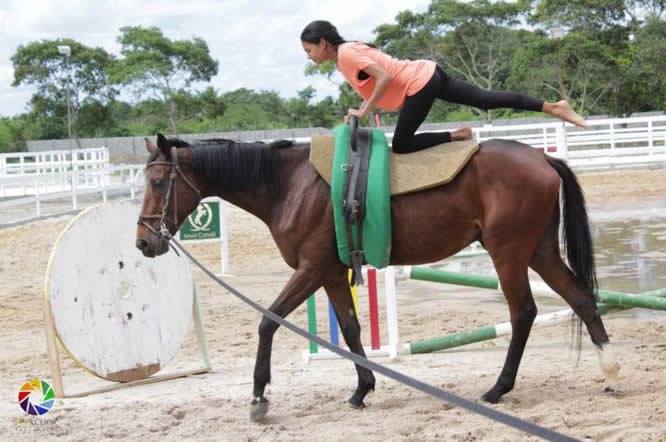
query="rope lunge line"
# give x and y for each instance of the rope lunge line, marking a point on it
(446, 396)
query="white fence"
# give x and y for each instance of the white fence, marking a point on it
(44, 172)
(30, 179)
(27, 180)
(608, 143)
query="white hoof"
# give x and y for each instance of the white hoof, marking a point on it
(609, 365)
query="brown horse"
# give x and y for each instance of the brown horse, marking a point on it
(506, 197)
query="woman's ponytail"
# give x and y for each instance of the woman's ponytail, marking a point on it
(319, 29)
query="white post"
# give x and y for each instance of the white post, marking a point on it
(62, 170)
(3, 172)
(224, 251)
(131, 178)
(22, 171)
(391, 311)
(561, 141)
(612, 137)
(650, 138)
(38, 207)
(107, 166)
(75, 177)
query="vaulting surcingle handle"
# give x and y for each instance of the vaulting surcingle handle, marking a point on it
(353, 127)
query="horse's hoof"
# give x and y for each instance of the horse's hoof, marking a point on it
(258, 408)
(490, 397)
(358, 405)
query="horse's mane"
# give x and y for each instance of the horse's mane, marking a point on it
(231, 165)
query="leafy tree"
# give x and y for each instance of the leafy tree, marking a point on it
(409, 37)
(471, 40)
(614, 54)
(586, 70)
(588, 15)
(648, 68)
(11, 135)
(41, 65)
(304, 113)
(158, 68)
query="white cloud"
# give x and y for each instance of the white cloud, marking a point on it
(256, 42)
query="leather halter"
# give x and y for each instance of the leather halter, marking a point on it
(163, 234)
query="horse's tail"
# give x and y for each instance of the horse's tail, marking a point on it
(576, 236)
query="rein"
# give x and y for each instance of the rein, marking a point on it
(163, 234)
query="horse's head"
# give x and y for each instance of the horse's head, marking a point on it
(171, 194)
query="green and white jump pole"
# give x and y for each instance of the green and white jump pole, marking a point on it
(492, 332)
(647, 300)
(376, 348)
(609, 301)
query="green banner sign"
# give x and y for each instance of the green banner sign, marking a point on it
(203, 223)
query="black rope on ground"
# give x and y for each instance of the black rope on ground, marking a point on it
(451, 398)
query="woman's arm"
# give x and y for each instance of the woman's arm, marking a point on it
(383, 80)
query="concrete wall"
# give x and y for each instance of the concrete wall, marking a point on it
(132, 150)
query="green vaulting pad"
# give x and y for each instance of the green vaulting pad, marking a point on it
(377, 222)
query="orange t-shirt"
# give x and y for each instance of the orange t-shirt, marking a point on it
(409, 77)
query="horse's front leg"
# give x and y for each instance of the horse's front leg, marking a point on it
(302, 284)
(339, 294)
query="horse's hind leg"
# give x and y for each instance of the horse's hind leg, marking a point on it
(340, 296)
(302, 284)
(548, 263)
(516, 288)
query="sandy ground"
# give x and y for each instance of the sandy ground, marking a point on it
(309, 400)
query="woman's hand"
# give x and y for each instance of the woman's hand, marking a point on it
(383, 80)
(354, 113)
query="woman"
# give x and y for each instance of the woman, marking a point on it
(412, 87)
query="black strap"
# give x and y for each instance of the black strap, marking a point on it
(356, 187)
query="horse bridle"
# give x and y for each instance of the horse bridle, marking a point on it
(163, 234)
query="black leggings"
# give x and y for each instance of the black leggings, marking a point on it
(443, 86)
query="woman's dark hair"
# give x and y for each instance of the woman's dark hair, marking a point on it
(319, 29)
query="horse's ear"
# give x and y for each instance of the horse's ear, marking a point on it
(150, 147)
(163, 144)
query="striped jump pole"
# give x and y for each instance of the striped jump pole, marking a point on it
(608, 301)
(332, 319)
(469, 254)
(375, 349)
(650, 300)
(375, 342)
(492, 332)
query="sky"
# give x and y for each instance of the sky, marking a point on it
(256, 42)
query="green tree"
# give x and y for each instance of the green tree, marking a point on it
(472, 40)
(648, 68)
(303, 112)
(159, 68)
(41, 65)
(247, 109)
(588, 15)
(613, 55)
(12, 138)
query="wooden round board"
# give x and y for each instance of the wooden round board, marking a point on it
(120, 315)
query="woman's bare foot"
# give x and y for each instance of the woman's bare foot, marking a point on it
(464, 133)
(562, 110)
